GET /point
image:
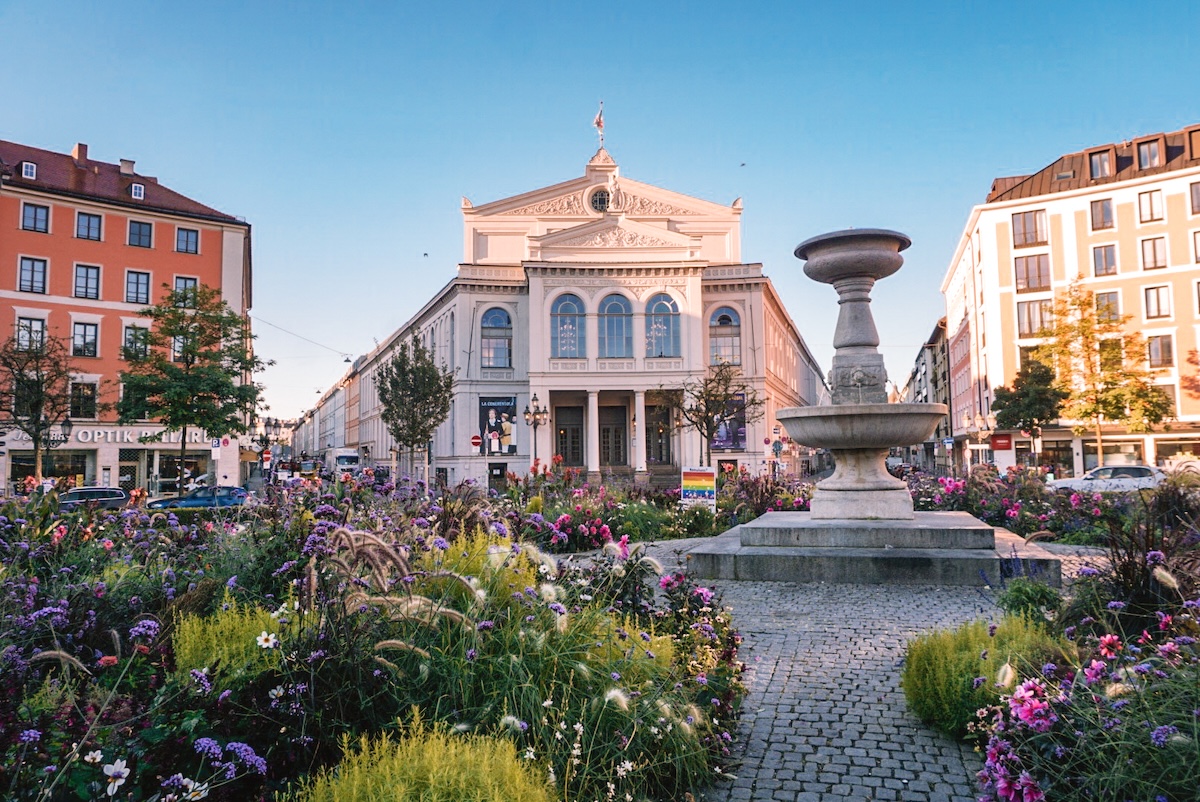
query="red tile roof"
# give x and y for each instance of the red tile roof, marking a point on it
(60, 173)
(1180, 150)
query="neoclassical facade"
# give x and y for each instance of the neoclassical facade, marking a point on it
(595, 299)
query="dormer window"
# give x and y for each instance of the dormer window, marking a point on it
(138, 191)
(29, 171)
(1101, 164)
(1149, 155)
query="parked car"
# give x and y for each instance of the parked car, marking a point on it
(104, 498)
(1112, 479)
(222, 496)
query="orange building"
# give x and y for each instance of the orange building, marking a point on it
(1122, 220)
(85, 246)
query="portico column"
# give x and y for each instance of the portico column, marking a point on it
(592, 436)
(639, 441)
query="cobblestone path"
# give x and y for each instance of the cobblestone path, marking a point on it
(825, 718)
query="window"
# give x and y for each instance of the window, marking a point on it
(1033, 273)
(87, 226)
(178, 346)
(33, 275)
(83, 339)
(1168, 390)
(1196, 244)
(138, 191)
(83, 400)
(29, 171)
(87, 282)
(1102, 214)
(137, 287)
(1161, 350)
(134, 402)
(1033, 317)
(600, 199)
(1158, 302)
(31, 333)
(1101, 164)
(1148, 155)
(1150, 206)
(141, 234)
(35, 217)
(186, 289)
(725, 337)
(1196, 198)
(496, 339)
(1104, 260)
(1029, 228)
(136, 344)
(1108, 307)
(662, 326)
(1112, 354)
(616, 327)
(1154, 253)
(187, 240)
(569, 337)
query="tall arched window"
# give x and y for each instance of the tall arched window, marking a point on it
(662, 326)
(567, 333)
(725, 337)
(495, 338)
(616, 327)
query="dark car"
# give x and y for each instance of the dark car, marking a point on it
(104, 498)
(202, 497)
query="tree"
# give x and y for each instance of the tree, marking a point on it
(1032, 403)
(192, 368)
(1098, 363)
(717, 399)
(35, 387)
(415, 393)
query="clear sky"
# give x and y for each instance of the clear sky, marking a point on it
(346, 133)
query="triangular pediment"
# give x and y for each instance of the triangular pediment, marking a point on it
(614, 238)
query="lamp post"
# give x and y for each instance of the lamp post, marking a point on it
(534, 418)
(978, 426)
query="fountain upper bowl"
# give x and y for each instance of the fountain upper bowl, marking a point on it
(849, 426)
(873, 252)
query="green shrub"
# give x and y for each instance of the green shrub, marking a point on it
(1027, 598)
(949, 674)
(428, 766)
(225, 644)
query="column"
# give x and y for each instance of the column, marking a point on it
(591, 434)
(639, 440)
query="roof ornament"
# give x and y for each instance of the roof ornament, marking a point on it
(598, 123)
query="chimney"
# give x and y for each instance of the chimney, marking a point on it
(80, 152)
(127, 167)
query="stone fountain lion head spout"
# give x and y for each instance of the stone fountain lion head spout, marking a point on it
(859, 428)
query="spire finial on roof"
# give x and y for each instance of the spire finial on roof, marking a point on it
(598, 123)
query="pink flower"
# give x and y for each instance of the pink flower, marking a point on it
(1095, 672)
(1110, 645)
(623, 546)
(1075, 499)
(1095, 511)
(1030, 791)
(106, 661)
(107, 544)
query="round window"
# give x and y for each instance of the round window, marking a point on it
(600, 200)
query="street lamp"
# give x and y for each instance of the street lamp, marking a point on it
(534, 418)
(978, 426)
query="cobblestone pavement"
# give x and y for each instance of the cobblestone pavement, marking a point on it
(825, 718)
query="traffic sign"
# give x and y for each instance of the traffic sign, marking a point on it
(476, 441)
(216, 443)
(947, 441)
(267, 457)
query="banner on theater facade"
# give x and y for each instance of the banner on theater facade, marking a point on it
(498, 425)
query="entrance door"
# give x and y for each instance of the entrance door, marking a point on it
(658, 435)
(614, 450)
(498, 476)
(568, 430)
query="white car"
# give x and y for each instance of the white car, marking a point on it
(1112, 479)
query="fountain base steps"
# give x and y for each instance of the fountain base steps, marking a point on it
(935, 548)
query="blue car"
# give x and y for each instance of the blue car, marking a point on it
(202, 497)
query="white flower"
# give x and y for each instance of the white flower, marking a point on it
(511, 722)
(275, 692)
(267, 641)
(94, 756)
(194, 790)
(624, 768)
(116, 774)
(529, 753)
(548, 703)
(578, 727)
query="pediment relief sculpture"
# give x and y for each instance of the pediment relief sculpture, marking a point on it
(616, 237)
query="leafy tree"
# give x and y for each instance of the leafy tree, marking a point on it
(721, 396)
(1099, 362)
(35, 388)
(192, 368)
(415, 394)
(1032, 403)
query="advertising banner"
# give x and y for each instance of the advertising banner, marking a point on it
(498, 425)
(698, 487)
(731, 429)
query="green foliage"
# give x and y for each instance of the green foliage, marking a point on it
(1030, 599)
(428, 765)
(224, 645)
(721, 396)
(1032, 403)
(942, 668)
(414, 392)
(35, 388)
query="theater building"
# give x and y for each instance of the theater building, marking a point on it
(595, 299)
(86, 245)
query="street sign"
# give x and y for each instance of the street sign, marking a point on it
(267, 457)
(216, 443)
(225, 440)
(476, 441)
(947, 441)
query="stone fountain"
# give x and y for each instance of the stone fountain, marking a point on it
(861, 527)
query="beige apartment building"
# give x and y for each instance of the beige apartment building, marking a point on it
(1124, 220)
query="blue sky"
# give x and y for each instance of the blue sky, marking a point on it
(347, 133)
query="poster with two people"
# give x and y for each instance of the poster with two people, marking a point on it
(497, 425)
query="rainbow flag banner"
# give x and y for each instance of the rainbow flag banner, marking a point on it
(698, 486)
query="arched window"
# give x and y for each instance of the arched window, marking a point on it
(567, 332)
(662, 326)
(725, 337)
(616, 327)
(495, 338)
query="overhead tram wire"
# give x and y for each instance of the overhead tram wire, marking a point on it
(302, 337)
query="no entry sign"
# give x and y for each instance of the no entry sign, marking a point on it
(476, 441)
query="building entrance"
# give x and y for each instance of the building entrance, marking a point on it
(568, 430)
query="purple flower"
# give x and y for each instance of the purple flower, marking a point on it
(1162, 734)
(207, 747)
(471, 654)
(440, 543)
(1049, 669)
(146, 628)
(29, 736)
(978, 682)
(1087, 570)
(482, 625)
(231, 583)
(615, 676)
(201, 679)
(558, 608)
(246, 755)
(1116, 605)
(1155, 558)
